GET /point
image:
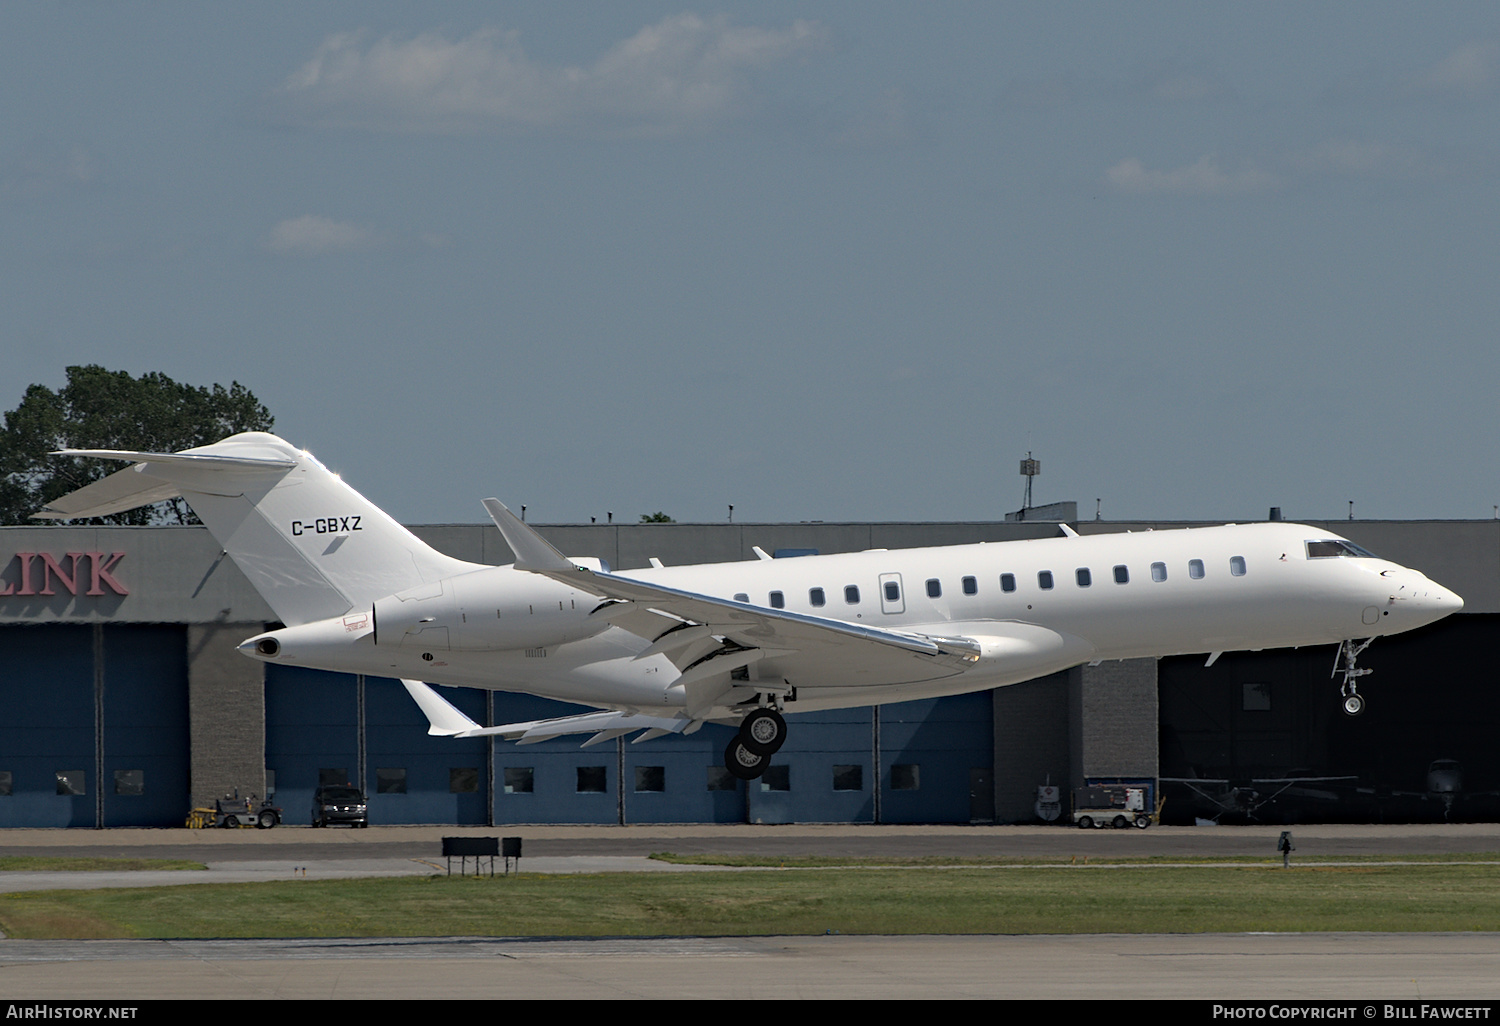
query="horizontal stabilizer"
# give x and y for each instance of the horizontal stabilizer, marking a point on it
(186, 459)
(123, 490)
(136, 486)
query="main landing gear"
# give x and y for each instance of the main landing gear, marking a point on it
(1348, 653)
(762, 733)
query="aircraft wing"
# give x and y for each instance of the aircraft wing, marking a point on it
(707, 637)
(447, 721)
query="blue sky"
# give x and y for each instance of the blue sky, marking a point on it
(819, 260)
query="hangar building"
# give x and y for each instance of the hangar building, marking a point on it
(125, 703)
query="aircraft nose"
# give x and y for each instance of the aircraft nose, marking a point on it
(1420, 594)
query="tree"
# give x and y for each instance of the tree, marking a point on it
(656, 518)
(104, 409)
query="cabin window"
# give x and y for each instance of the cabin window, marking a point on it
(1044, 580)
(851, 594)
(892, 591)
(1158, 572)
(1195, 569)
(1237, 565)
(1083, 577)
(816, 597)
(971, 586)
(934, 588)
(778, 600)
(1007, 582)
(1122, 574)
(741, 596)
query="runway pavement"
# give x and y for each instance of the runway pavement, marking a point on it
(1362, 968)
(1359, 967)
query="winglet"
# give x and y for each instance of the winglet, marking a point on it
(533, 552)
(445, 719)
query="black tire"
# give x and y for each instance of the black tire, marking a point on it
(763, 732)
(1353, 705)
(1085, 822)
(267, 819)
(1143, 821)
(229, 823)
(743, 763)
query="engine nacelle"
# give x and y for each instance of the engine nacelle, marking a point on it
(485, 611)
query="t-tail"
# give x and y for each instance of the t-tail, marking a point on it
(312, 546)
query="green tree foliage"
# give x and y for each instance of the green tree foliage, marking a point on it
(656, 518)
(104, 409)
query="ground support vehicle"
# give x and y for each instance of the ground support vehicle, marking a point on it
(234, 811)
(1112, 805)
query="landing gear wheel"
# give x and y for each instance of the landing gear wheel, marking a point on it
(1120, 823)
(743, 763)
(1084, 822)
(1143, 821)
(1354, 704)
(763, 732)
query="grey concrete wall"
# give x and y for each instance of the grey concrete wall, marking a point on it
(1031, 744)
(169, 574)
(226, 713)
(1113, 720)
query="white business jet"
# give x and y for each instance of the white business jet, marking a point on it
(667, 649)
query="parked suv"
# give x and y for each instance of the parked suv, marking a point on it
(339, 803)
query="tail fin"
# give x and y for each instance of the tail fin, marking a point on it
(311, 545)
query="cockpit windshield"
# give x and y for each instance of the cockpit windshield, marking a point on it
(1325, 548)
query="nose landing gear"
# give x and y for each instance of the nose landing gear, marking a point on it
(1344, 663)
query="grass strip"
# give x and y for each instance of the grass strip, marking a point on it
(892, 901)
(86, 864)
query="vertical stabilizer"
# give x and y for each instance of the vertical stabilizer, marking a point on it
(311, 545)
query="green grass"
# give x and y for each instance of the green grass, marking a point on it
(1200, 899)
(68, 863)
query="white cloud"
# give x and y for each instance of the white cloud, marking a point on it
(889, 121)
(1203, 178)
(47, 168)
(1356, 159)
(315, 235)
(682, 74)
(1470, 70)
